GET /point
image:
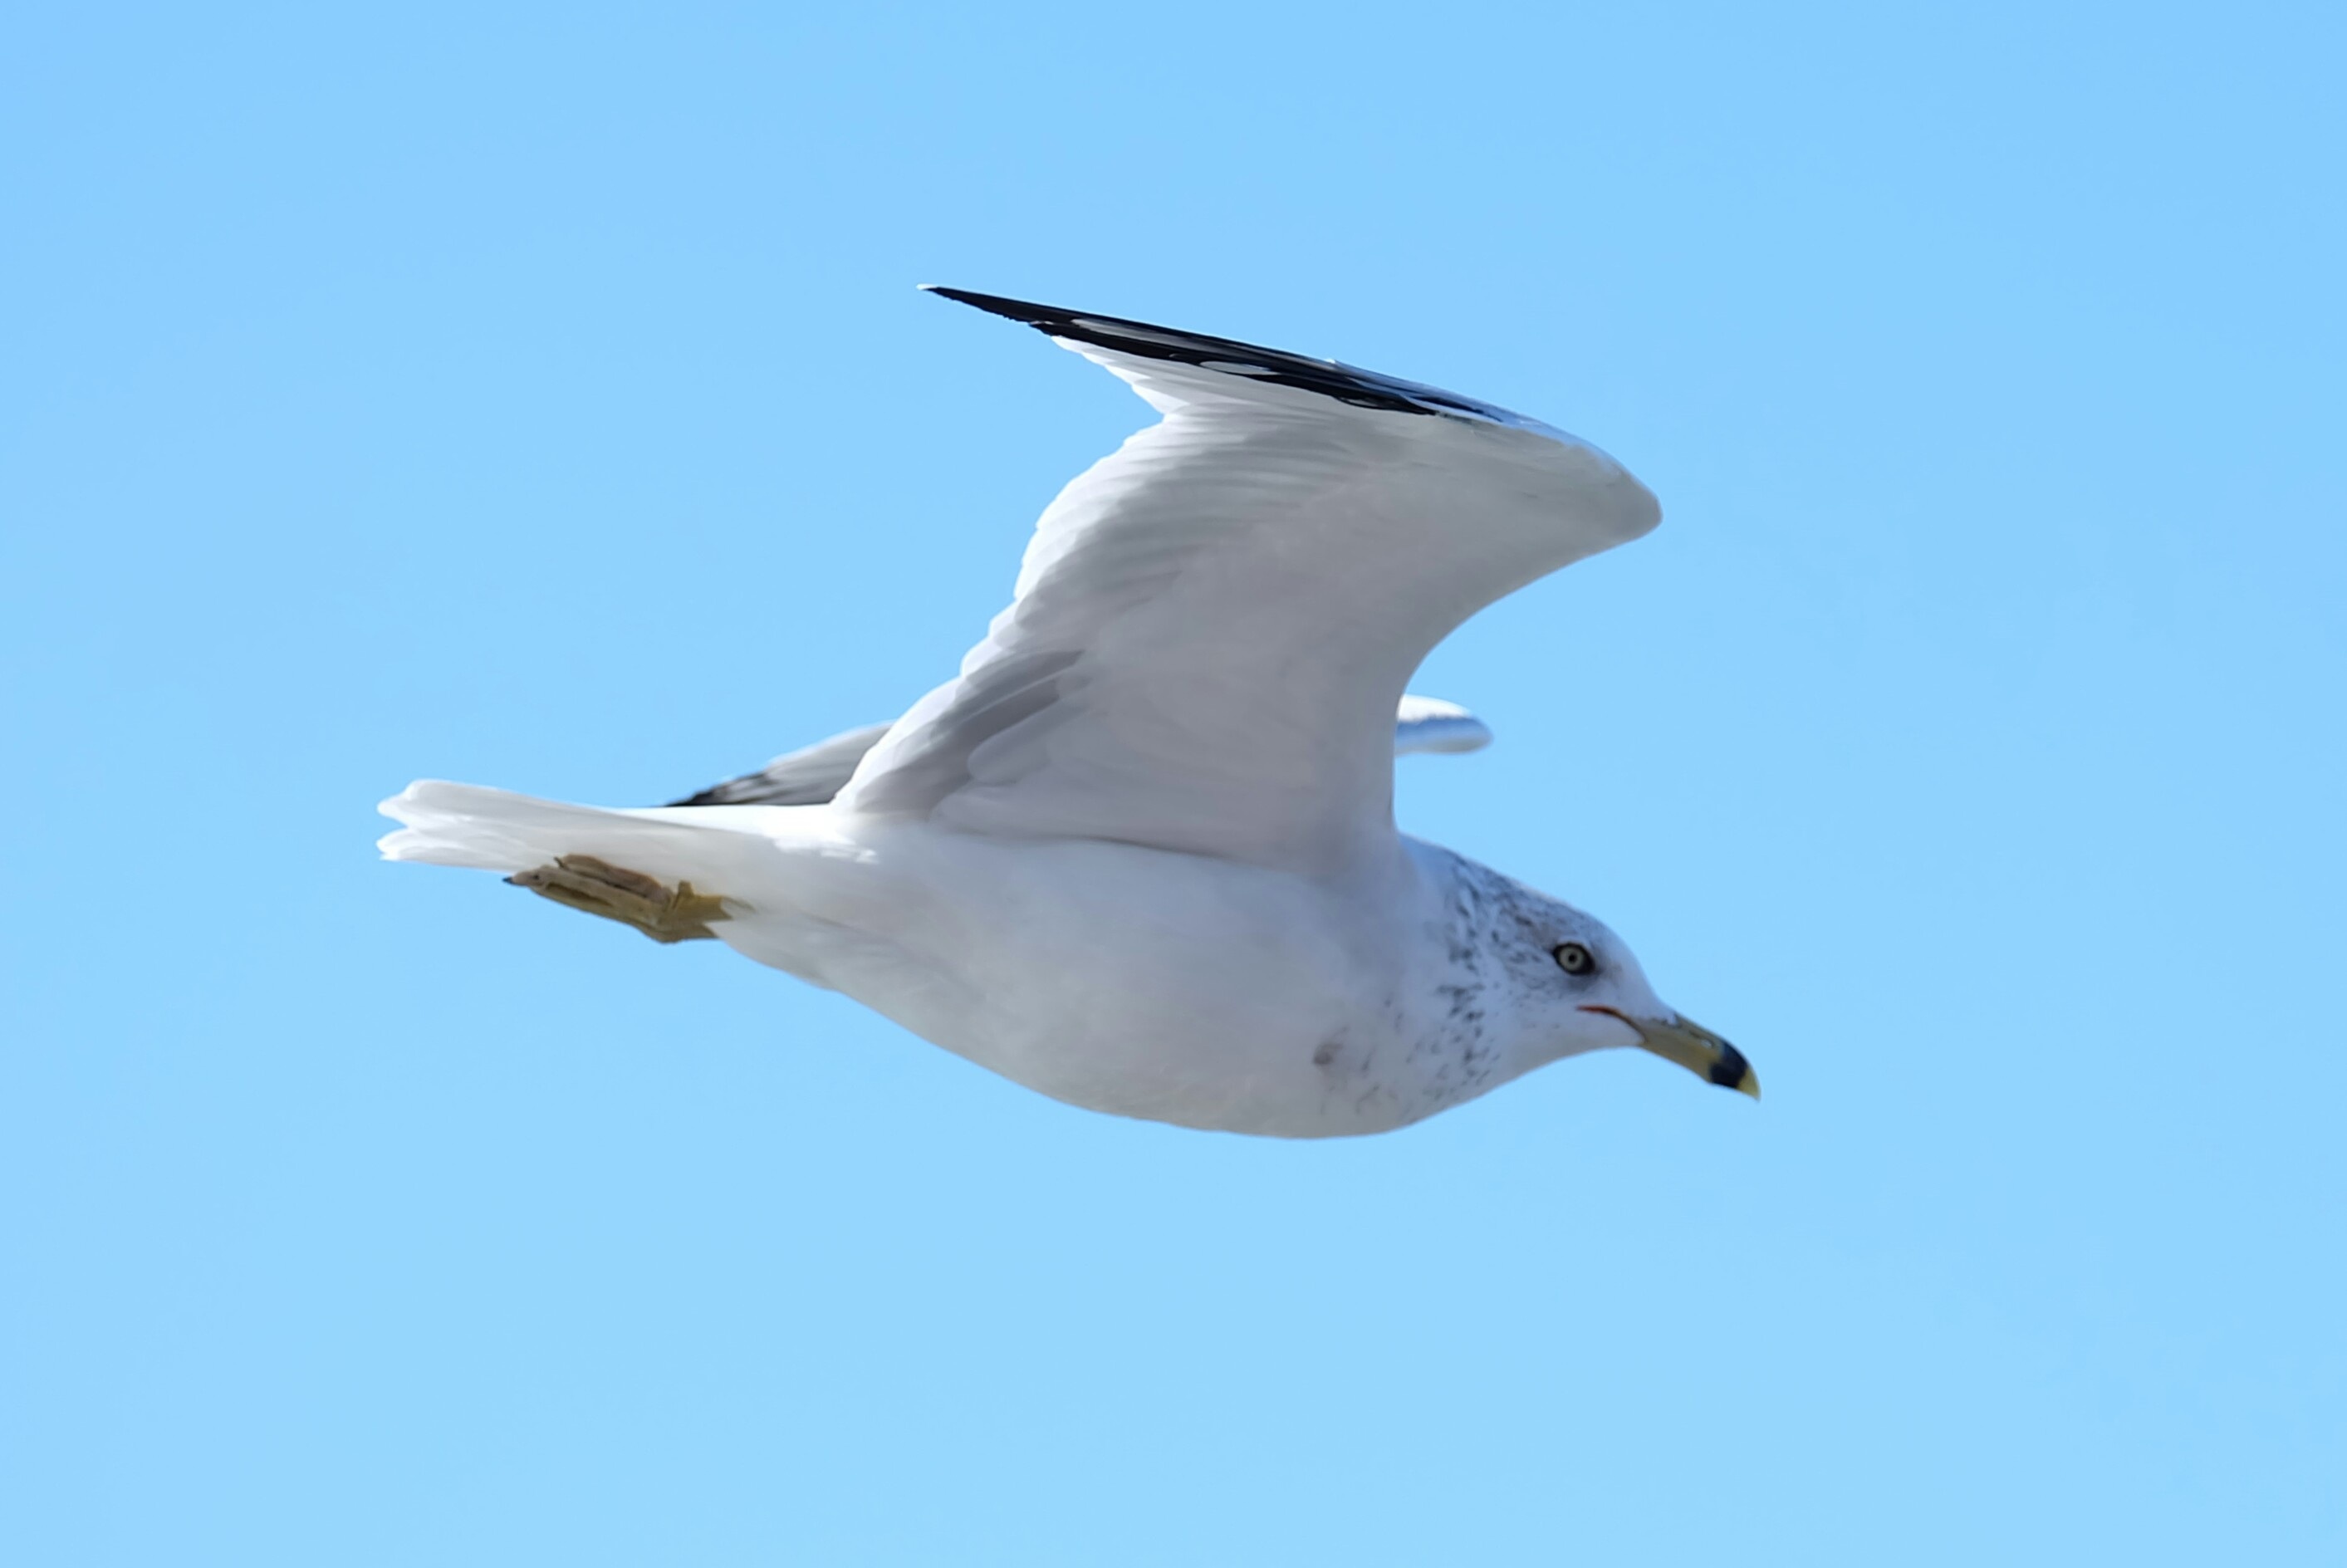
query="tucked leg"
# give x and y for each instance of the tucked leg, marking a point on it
(662, 913)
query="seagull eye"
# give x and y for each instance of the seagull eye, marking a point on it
(1575, 959)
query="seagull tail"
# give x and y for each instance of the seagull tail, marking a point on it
(496, 830)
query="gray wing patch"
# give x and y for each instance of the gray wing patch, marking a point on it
(810, 776)
(931, 761)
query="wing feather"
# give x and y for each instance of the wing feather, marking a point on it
(1213, 626)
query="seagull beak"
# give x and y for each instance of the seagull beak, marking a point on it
(1693, 1047)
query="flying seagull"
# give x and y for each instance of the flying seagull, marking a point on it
(1140, 854)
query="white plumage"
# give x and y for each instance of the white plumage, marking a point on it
(1140, 853)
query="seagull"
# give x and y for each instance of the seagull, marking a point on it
(1140, 854)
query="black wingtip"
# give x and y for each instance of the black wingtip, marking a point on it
(1361, 388)
(1034, 315)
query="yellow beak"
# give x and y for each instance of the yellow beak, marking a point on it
(1693, 1047)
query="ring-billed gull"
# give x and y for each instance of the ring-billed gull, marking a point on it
(1140, 854)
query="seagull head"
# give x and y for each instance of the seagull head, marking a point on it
(1583, 990)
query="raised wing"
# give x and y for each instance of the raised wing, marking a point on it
(808, 776)
(1430, 724)
(1214, 625)
(814, 774)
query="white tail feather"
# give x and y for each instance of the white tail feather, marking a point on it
(496, 830)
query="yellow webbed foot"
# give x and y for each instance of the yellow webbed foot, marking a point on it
(664, 914)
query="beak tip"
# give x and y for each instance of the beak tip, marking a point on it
(1733, 1072)
(1686, 1043)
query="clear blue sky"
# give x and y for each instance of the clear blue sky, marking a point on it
(540, 397)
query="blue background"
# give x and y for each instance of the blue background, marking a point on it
(540, 397)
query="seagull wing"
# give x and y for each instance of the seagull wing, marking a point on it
(1214, 625)
(808, 776)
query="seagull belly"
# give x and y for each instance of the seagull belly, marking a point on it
(1146, 983)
